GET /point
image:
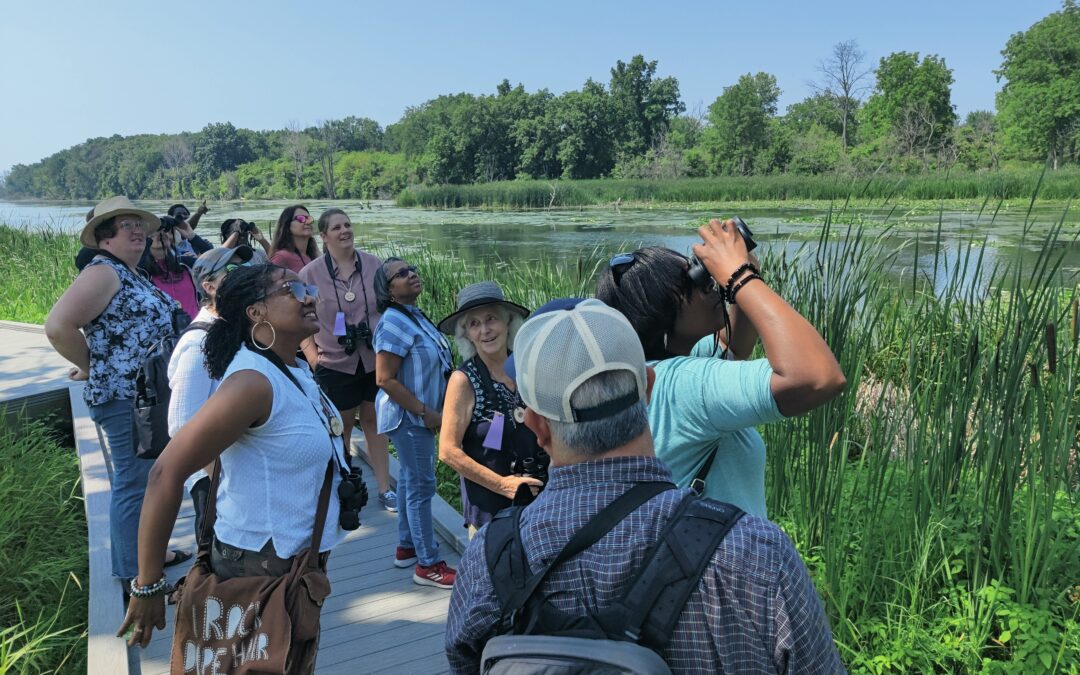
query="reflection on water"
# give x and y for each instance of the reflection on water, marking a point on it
(600, 232)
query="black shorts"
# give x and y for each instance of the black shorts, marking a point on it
(347, 391)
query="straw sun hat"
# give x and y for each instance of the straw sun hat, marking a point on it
(110, 208)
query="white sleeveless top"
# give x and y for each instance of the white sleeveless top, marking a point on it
(274, 472)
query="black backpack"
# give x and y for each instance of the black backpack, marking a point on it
(628, 635)
(152, 394)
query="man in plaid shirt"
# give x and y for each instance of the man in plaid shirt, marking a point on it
(755, 610)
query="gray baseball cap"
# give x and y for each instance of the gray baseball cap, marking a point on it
(215, 260)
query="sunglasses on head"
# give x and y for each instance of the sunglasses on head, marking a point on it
(403, 272)
(301, 218)
(620, 263)
(299, 290)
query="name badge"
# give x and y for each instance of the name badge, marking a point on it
(339, 323)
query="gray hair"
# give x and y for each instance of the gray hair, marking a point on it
(600, 436)
(465, 346)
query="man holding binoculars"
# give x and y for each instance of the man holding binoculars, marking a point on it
(340, 353)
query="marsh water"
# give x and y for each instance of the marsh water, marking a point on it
(911, 236)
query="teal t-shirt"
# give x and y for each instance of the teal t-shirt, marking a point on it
(700, 402)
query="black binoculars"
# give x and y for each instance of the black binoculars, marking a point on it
(535, 466)
(353, 495)
(353, 334)
(700, 276)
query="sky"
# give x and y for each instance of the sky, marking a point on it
(78, 69)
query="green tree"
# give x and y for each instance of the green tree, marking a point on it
(740, 123)
(911, 104)
(977, 142)
(1039, 104)
(817, 110)
(643, 104)
(220, 147)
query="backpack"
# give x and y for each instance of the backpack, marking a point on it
(152, 394)
(628, 635)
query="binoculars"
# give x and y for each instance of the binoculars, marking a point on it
(353, 495)
(700, 276)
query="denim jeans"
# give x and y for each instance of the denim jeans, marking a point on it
(416, 486)
(117, 420)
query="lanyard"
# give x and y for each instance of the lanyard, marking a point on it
(334, 279)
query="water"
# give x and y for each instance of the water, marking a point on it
(601, 232)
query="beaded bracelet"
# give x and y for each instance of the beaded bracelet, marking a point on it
(148, 591)
(739, 270)
(745, 280)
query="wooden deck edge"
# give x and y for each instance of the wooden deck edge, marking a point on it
(447, 520)
(105, 653)
(24, 327)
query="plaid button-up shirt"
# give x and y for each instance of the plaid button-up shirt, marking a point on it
(755, 611)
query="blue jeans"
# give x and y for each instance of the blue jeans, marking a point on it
(416, 486)
(117, 420)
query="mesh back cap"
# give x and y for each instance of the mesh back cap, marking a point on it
(557, 351)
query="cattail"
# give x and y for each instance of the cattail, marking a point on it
(1051, 346)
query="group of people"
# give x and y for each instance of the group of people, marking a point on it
(564, 409)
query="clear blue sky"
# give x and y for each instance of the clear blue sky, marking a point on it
(77, 69)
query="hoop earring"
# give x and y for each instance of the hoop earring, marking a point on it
(273, 333)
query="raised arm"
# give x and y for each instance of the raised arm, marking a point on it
(805, 372)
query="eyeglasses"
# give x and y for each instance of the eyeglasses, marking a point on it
(620, 263)
(299, 290)
(301, 218)
(403, 272)
(131, 225)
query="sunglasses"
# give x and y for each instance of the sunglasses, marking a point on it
(301, 218)
(232, 267)
(403, 272)
(299, 290)
(620, 263)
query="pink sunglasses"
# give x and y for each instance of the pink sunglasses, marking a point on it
(301, 218)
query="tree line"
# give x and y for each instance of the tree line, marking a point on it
(897, 117)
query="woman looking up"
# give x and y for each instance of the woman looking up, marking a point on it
(120, 315)
(293, 244)
(703, 409)
(342, 348)
(276, 438)
(412, 362)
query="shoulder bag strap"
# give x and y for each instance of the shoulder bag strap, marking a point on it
(698, 483)
(320, 516)
(210, 516)
(592, 532)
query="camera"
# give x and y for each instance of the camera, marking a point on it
(354, 333)
(700, 276)
(353, 495)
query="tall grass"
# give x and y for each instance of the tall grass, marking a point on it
(35, 268)
(937, 501)
(43, 555)
(533, 194)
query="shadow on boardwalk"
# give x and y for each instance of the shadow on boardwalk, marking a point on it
(376, 619)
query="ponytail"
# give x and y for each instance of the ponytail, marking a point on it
(241, 288)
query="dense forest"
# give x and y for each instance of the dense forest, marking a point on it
(897, 117)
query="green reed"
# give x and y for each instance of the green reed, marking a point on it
(537, 194)
(43, 553)
(937, 501)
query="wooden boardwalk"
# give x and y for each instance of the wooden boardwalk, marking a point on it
(376, 619)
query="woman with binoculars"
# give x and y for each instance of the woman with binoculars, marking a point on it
(278, 441)
(703, 409)
(341, 352)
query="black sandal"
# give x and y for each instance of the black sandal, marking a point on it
(178, 557)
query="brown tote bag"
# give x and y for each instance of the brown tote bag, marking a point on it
(257, 624)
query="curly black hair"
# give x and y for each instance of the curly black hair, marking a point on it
(240, 289)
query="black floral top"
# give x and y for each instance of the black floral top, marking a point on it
(136, 317)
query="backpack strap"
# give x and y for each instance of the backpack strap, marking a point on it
(510, 575)
(650, 608)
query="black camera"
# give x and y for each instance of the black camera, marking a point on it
(353, 495)
(700, 276)
(354, 333)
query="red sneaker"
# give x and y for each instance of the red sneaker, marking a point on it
(404, 556)
(439, 575)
